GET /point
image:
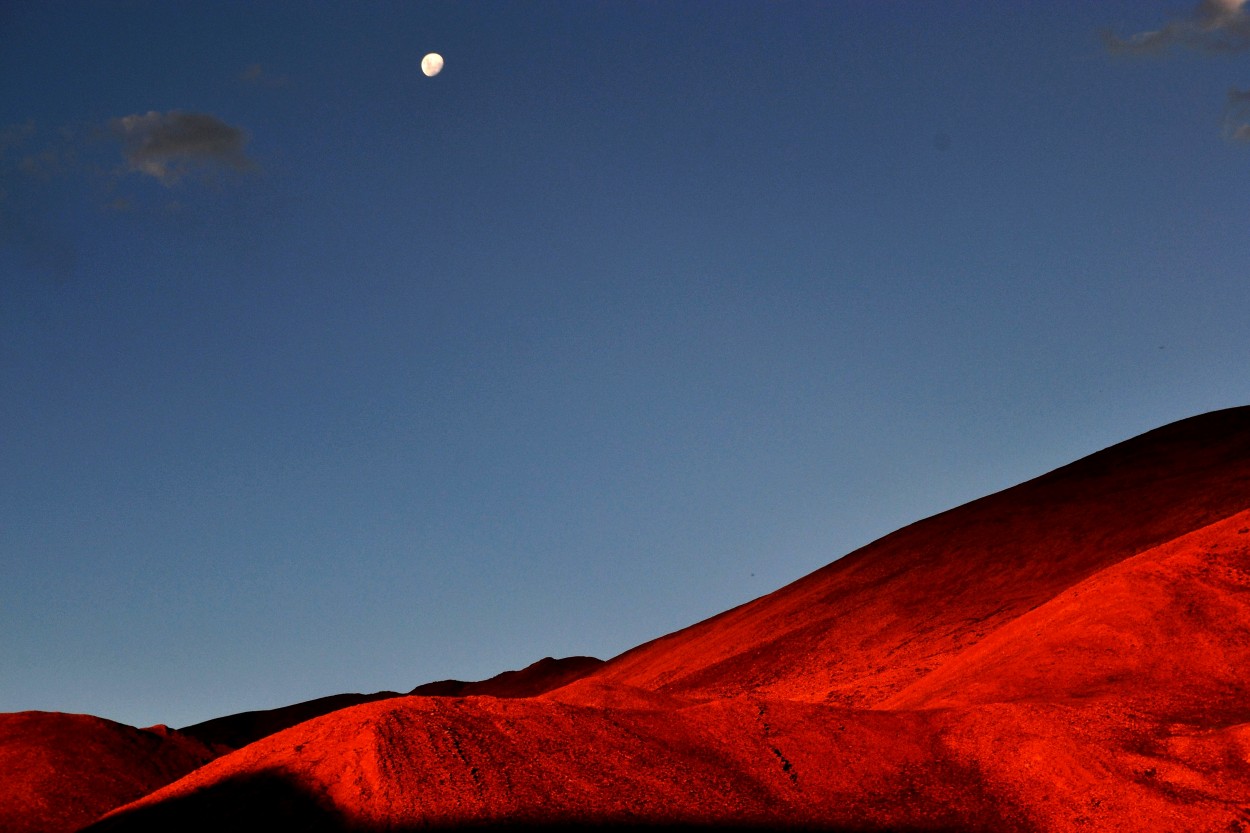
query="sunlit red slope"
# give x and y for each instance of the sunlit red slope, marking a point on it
(62, 771)
(871, 624)
(1067, 655)
(415, 763)
(1165, 633)
(409, 763)
(1122, 703)
(59, 772)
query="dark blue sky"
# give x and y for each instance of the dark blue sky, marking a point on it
(320, 375)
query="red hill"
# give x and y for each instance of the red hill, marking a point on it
(1066, 655)
(417, 762)
(1165, 633)
(62, 771)
(871, 624)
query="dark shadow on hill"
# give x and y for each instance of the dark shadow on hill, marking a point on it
(677, 827)
(272, 801)
(267, 801)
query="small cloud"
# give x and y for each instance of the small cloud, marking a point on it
(1214, 26)
(258, 75)
(1237, 116)
(168, 146)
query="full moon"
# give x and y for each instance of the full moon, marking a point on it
(432, 64)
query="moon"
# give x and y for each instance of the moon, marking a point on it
(432, 64)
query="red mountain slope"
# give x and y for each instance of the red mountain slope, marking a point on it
(62, 771)
(1124, 702)
(869, 625)
(1165, 633)
(416, 762)
(1067, 655)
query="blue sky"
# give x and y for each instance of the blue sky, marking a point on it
(319, 375)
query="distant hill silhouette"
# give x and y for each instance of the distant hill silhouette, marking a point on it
(543, 676)
(237, 730)
(1070, 654)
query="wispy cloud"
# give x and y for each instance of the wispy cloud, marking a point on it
(168, 146)
(1214, 26)
(1237, 116)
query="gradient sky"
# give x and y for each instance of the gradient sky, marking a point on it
(319, 375)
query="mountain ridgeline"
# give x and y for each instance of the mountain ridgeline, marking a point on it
(1069, 654)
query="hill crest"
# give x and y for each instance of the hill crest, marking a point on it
(1066, 655)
